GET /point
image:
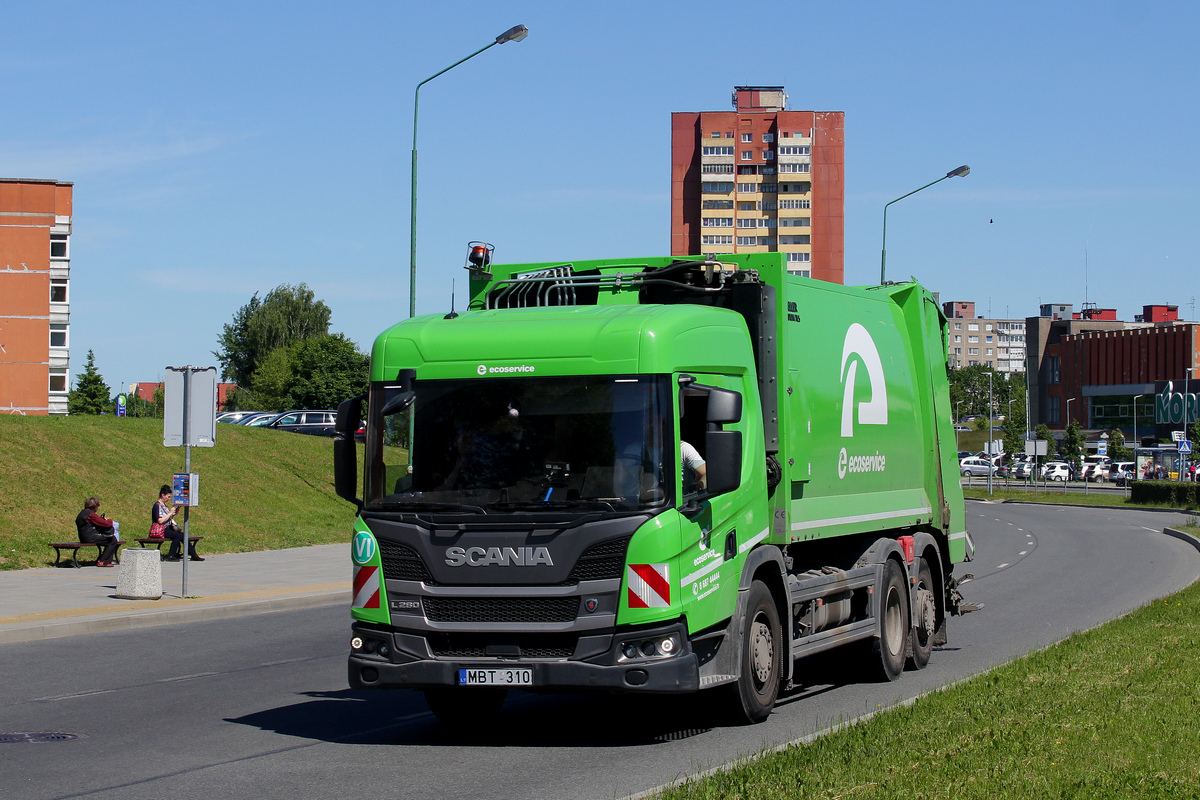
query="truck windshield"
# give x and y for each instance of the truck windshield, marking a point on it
(491, 445)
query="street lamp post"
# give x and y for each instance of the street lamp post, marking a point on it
(961, 172)
(514, 34)
(1187, 413)
(991, 437)
(1136, 442)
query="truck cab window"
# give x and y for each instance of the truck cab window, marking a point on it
(693, 415)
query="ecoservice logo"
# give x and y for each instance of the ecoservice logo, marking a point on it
(857, 348)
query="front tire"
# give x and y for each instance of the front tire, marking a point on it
(763, 647)
(888, 650)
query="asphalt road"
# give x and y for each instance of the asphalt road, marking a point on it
(256, 707)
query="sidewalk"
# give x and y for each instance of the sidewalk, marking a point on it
(56, 601)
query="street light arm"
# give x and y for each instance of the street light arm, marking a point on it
(962, 171)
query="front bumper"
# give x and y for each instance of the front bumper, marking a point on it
(405, 668)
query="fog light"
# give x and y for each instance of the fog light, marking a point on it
(370, 645)
(384, 649)
(667, 646)
(648, 648)
(356, 643)
(630, 650)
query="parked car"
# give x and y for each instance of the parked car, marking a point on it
(236, 416)
(962, 428)
(258, 420)
(975, 466)
(1023, 470)
(965, 454)
(1122, 472)
(1057, 471)
(314, 423)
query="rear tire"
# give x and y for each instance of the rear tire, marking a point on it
(924, 617)
(458, 706)
(888, 650)
(753, 696)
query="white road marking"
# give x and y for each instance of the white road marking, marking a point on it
(1002, 566)
(1152, 530)
(70, 696)
(185, 677)
(1023, 552)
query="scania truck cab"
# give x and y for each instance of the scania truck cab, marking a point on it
(533, 514)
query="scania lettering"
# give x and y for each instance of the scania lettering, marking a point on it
(660, 475)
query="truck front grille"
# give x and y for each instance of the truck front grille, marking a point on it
(402, 563)
(501, 609)
(602, 561)
(473, 645)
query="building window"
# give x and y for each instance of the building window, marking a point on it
(799, 222)
(958, 351)
(58, 291)
(751, 206)
(717, 222)
(770, 187)
(748, 170)
(715, 204)
(58, 381)
(987, 326)
(715, 134)
(747, 188)
(716, 187)
(716, 169)
(987, 339)
(58, 335)
(973, 339)
(800, 188)
(958, 326)
(972, 351)
(716, 151)
(768, 138)
(1055, 369)
(747, 155)
(1055, 410)
(795, 203)
(768, 205)
(805, 239)
(803, 258)
(747, 137)
(795, 150)
(747, 241)
(972, 326)
(716, 240)
(987, 351)
(803, 168)
(958, 338)
(768, 155)
(768, 170)
(58, 245)
(747, 223)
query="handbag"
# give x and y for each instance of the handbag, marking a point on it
(157, 529)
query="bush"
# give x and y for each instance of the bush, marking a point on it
(1177, 494)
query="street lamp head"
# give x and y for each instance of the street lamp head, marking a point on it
(961, 172)
(514, 34)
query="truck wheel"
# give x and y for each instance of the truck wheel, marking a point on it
(926, 618)
(763, 648)
(889, 649)
(457, 706)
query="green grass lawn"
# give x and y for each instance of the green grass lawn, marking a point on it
(1110, 713)
(259, 489)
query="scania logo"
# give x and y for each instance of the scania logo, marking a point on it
(498, 556)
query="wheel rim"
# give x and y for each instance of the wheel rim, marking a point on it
(926, 612)
(762, 649)
(893, 622)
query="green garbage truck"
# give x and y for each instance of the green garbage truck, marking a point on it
(657, 475)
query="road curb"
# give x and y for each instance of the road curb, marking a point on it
(117, 621)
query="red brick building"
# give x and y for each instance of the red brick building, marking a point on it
(760, 179)
(35, 271)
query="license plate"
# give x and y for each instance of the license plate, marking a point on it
(495, 677)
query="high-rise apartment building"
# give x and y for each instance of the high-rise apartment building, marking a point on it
(995, 343)
(760, 179)
(35, 312)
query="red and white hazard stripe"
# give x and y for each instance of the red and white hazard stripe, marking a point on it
(649, 585)
(366, 587)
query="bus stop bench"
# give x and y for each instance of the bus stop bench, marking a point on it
(59, 547)
(159, 541)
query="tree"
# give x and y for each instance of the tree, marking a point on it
(1043, 432)
(1014, 436)
(287, 315)
(91, 394)
(326, 371)
(1117, 451)
(1072, 442)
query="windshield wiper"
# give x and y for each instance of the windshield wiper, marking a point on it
(434, 505)
(557, 505)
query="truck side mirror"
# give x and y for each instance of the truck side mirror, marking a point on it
(345, 453)
(724, 406)
(723, 460)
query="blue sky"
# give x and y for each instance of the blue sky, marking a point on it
(222, 149)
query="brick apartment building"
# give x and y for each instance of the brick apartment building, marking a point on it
(760, 179)
(35, 311)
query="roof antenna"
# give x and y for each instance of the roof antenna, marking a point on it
(452, 314)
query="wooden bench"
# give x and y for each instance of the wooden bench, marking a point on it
(74, 548)
(159, 541)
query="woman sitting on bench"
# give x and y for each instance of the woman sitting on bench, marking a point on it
(95, 528)
(162, 523)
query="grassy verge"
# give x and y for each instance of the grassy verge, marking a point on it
(1110, 713)
(1099, 498)
(259, 489)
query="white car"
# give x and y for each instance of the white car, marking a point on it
(1121, 472)
(1057, 471)
(975, 466)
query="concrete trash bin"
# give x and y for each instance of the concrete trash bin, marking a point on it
(140, 575)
